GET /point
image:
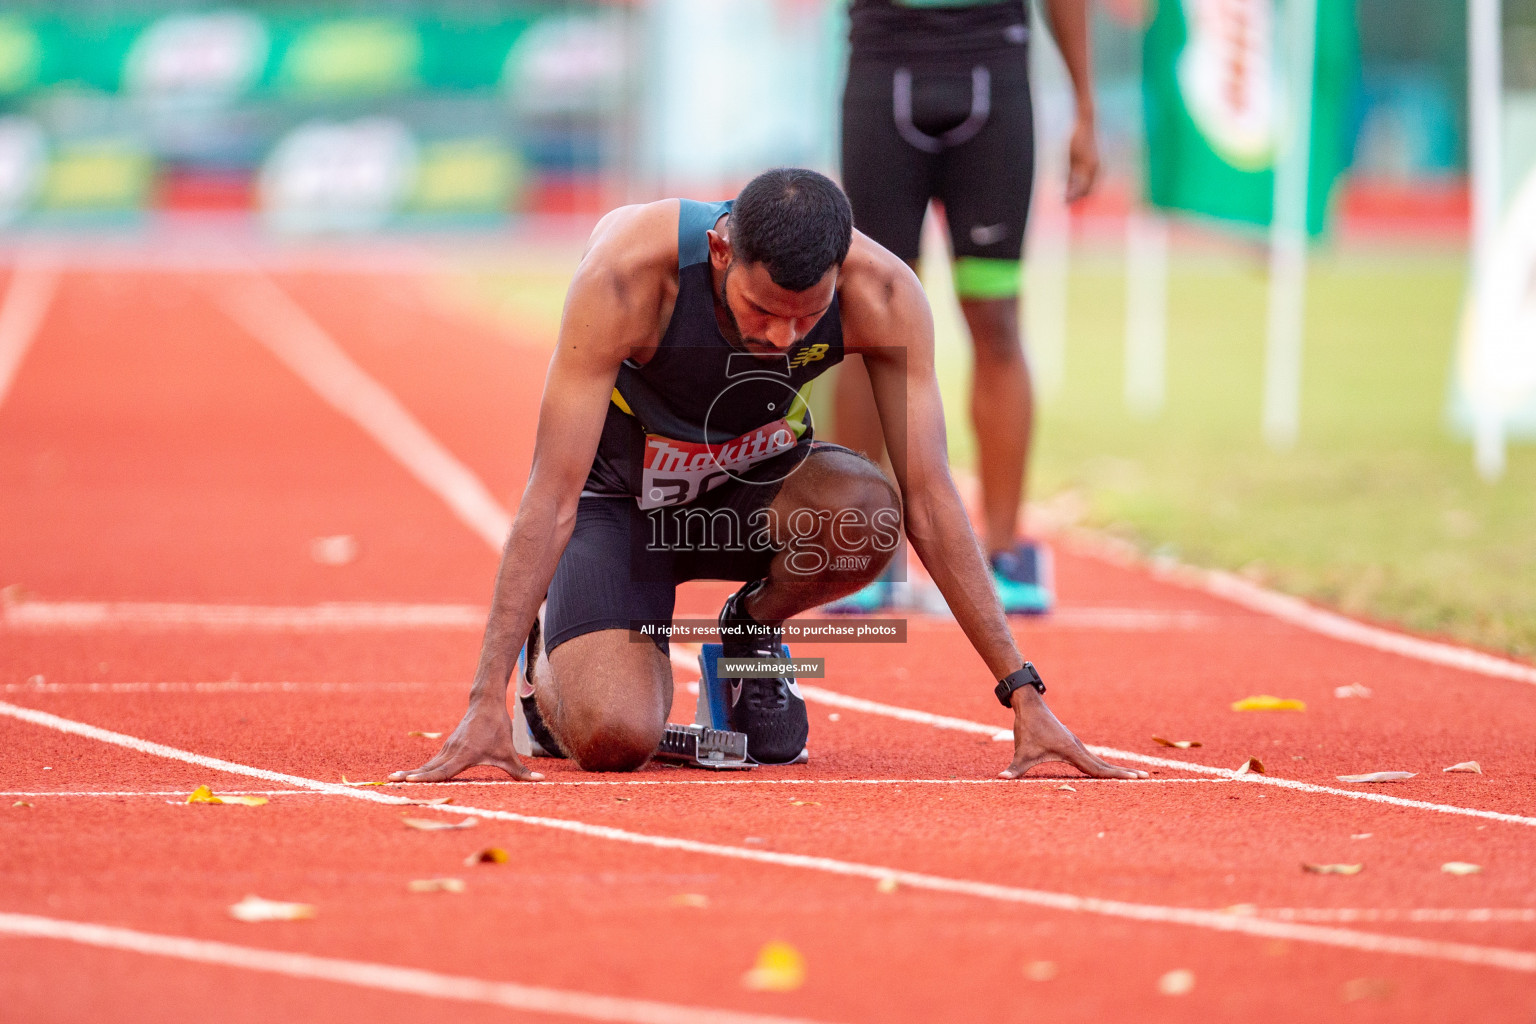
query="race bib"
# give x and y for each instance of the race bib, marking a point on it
(677, 472)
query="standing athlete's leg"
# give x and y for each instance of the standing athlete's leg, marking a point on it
(986, 185)
(889, 183)
(1002, 414)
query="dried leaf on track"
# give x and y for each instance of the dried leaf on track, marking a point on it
(435, 825)
(21, 803)
(1069, 789)
(425, 735)
(1177, 983)
(779, 968)
(436, 801)
(1352, 690)
(887, 885)
(1181, 744)
(489, 855)
(1377, 777)
(348, 782)
(1265, 702)
(690, 899)
(1461, 867)
(254, 908)
(436, 885)
(1362, 835)
(1251, 766)
(204, 795)
(1040, 970)
(805, 803)
(1465, 766)
(1333, 869)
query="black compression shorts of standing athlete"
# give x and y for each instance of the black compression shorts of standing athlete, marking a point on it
(961, 131)
(623, 563)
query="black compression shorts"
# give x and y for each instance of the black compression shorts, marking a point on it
(961, 133)
(623, 563)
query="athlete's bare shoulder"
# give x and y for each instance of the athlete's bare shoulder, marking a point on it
(880, 299)
(635, 240)
(627, 278)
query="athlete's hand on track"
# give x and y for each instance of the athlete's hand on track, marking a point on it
(1082, 161)
(1038, 737)
(483, 736)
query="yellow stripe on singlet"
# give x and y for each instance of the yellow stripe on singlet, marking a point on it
(618, 400)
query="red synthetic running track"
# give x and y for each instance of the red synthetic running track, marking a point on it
(153, 452)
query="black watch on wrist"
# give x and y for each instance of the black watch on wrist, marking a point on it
(1026, 676)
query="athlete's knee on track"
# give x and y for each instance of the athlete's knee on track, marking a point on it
(613, 739)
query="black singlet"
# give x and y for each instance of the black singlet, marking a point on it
(700, 410)
(901, 30)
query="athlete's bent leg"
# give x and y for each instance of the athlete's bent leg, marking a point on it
(836, 523)
(606, 699)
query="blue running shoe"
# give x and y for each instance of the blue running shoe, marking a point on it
(770, 711)
(1023, 579)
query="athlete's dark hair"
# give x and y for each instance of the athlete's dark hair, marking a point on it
(796, 222)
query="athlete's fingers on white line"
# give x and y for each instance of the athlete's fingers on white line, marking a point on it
(517, 770)
(1091, 764)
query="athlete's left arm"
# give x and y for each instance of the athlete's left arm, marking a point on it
(1069, 25)
(886, 320)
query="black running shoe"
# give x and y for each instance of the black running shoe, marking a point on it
(544, 742)
(770, 711)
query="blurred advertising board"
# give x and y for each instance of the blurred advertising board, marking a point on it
(366, 118)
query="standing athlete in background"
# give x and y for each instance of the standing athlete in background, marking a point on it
(937, 107)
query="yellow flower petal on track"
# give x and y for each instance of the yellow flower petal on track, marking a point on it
(1265, 702)
(779, 968)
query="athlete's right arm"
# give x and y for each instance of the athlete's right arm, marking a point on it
(612, 309)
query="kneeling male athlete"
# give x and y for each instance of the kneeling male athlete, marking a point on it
(689, 334)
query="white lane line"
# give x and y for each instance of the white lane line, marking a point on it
(1293, 610)
(1422, 915)
(1487, 956)
(273, 318)
(385, 977)
(1331, 624)
(68, 615)
(21, 315)
(399, 786)
(825, 696)
(338, 615)
(227, 686)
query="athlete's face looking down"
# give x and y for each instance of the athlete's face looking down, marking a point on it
(758, 315)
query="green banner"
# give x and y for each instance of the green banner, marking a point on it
(1211, 73)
